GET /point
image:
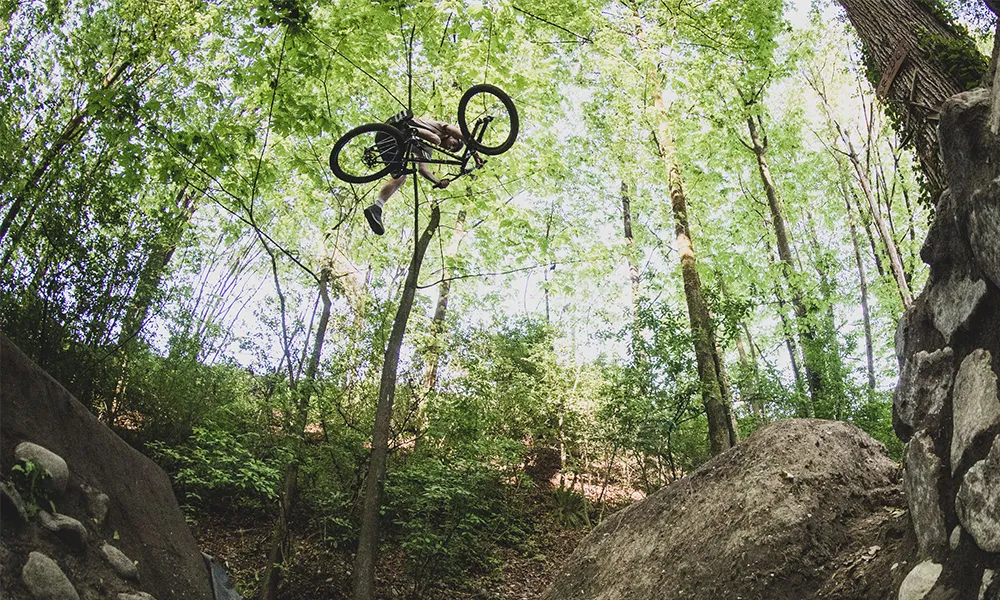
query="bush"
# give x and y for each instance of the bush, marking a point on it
(216, 465)
(449, 516)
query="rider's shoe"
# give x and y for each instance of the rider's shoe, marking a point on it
(374, 215)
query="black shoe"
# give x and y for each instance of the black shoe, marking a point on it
(374, 215)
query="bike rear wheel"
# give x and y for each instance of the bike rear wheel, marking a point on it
(488, 119)
(367, 153)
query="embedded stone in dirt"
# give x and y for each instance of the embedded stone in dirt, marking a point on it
(97, 503)
(920, 581)
(10, 500)
(771, 519)
(135, 596)
(976, 405)
(122, 564)
(67, 528)
(45, 580)
(48, 460)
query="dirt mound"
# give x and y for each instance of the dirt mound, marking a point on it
(109, 495)
(802, 509)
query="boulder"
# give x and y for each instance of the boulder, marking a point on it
(141, 503)
(975, 400)
(978, 500)
(771, 518)
(920, 581)
(921, 480)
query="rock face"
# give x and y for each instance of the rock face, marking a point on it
(109, 491)
(952, 423)
(773, 518)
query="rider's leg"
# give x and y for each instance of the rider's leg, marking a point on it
(390, 188)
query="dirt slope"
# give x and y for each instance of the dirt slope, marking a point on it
(802, 509)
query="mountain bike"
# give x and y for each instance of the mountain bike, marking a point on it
(372, 151)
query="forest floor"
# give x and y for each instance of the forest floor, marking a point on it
(324, 573)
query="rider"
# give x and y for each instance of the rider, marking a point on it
(438, 133)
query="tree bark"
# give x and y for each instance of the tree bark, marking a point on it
(923, 82)
(865, 313)
(364, 562)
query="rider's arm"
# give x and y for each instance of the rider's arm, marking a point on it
(426, 172)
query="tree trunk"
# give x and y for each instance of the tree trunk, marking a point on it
(927, 76)
(865, 313)
(441, 309)
(638, 352)
(150, 276)
(303, 390)
(364, 562)
(811, 354)
(720, 429)
(720, 425)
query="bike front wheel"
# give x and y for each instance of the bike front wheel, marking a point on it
(367, 153)
(492, 116)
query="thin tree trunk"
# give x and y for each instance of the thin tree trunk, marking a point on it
(861, 172)
(364, 562)
(865, 313)
(74, 128)
(638, 352)
(803, 319)
(303, 391)
(441, 308)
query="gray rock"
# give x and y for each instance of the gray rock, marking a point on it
(975, 403)
(923, 470)
(919, 581)
(984, 231)
(953, 300)
(122, 564)
(97, 503)
(50, 461)
(956, 537)
(135, 596)
(67, 528)
(9, 497)
(978, 500)
(900, 337)
(45, 580)
(987, 580)
(924, 384)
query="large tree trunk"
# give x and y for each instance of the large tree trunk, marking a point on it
(364, 562)
(303, 390)
(927, 75)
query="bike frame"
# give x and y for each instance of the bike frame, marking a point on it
(411, 159)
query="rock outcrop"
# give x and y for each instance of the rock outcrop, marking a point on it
(802, 509)
(946, 405)
(93, 518)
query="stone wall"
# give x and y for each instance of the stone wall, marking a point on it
(946, 405)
